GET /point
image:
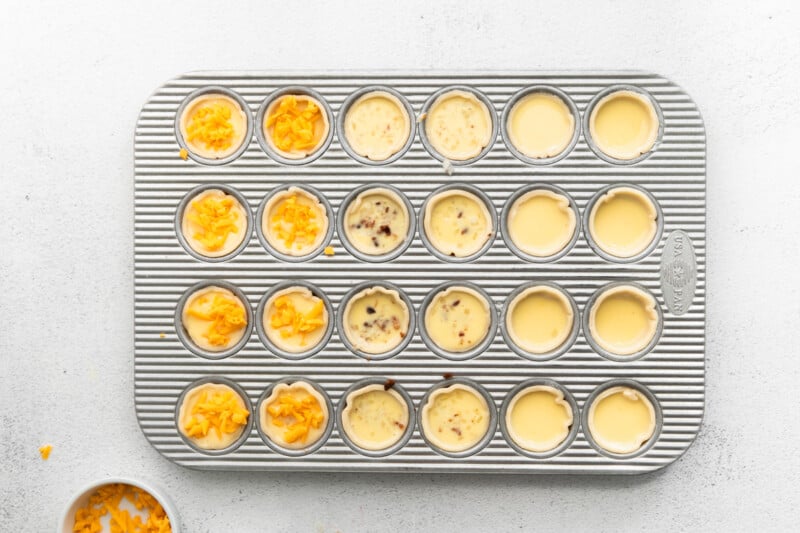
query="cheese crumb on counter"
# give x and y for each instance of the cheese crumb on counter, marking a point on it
(45, 450)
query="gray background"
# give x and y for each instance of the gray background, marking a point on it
(72, 79)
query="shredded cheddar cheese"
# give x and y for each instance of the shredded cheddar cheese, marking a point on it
(294, 221)
(220, 411)
(211, 126)
(292, 124)
(292, 322)
(329, 251)
(184, 153)
(45, 450)
(298, 416)
(216, 218)
(226, 315)
(106, 501)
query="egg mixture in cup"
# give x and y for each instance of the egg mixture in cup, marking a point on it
(623, 321)
(213, 223)
(376, 320)
(294, 125)
(376, 223)
(540, 125)
(457, 320)
(294, 416)
(294, 319)
(294, 222)
(376, 417)
(213, 415)
(623, 124)
(457, 418)
(458, 124)
(622, 419)
(539, 418)
(214, 125)
(376, 125)
(213, 319)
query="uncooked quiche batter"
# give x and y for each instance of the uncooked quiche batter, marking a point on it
(455, 418)
(541, 223)
(376, 320)
(623, 222)
(213, 126)
(539, 319)
(540, 125)
(214, 318)
(294, 319)
(623, 319)
(294, 416)
(294, 222)
(213, 416)
(458, 319)
(621, 420)
(538, 418)
(458, 125)
(624, 125)
(457, 223)
(375, 417)
(377, 125)
(376, 222)
(214, 223)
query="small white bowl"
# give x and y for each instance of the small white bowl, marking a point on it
(67, 520)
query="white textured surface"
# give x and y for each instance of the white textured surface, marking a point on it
(73, 79)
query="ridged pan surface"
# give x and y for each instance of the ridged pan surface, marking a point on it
(673, 371)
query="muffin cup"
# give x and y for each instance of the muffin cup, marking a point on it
(184, 336)
(423, 136)
(261, 136)
(639, 388)
(547, 89)
(262, 307)
(81, 497)
(355, 252)
(184, 203)
(240, 391)
(587, 213)
(248, 135)
(602, 351)
(409, 431)
(587, 116)
(568, 397)
(477, 349)
(490, 431)
(507, 211)
(283, 256)
(345, 107)
(556, 352)
(340, 320)
(492, 217)
(311, 448)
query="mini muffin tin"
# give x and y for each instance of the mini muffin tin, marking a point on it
(671, 373)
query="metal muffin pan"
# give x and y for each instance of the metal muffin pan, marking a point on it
(673, 371)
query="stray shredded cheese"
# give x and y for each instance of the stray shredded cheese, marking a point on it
(298, 416)
(45, 450)
(216, 217)
(227, 315)
(211, 125)
(329, 251)
(293, 322)
(162, 335)
(292, 124)
(106, 501)
(184, 153)
(293, 221)
(221, 411)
